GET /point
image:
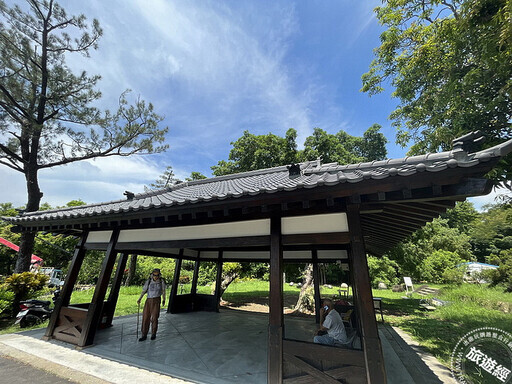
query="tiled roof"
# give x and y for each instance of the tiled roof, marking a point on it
(267, 181)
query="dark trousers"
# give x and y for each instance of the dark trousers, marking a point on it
(150, 315)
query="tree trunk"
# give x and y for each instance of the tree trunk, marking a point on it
(226, 280)
(131, 270)
(307, 280)
(33, 201)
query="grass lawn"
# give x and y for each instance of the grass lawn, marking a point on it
(469, 307)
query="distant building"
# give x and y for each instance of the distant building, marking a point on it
(473, 268)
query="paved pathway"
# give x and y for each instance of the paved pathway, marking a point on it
(14, 371)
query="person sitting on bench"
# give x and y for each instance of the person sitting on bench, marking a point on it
(332, 329)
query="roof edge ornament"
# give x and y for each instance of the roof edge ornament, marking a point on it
(129, 195)
(469, 143)
(294, 170)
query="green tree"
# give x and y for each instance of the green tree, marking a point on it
(463, 216)
(450, 63)
(411, 255)
(344, 148)
(251, 152)
(195, 176)
(166, 179)
(492, 233)
(382, 269)
(47, 113)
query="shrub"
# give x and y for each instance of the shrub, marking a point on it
(453, 276)
(382, 269)
(6, 301)
(24, 286)
(503, 275)
(434, 266)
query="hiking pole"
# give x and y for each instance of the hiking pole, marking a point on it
(138, 311)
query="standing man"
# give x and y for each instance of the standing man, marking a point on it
(332, 328)
(155, 288)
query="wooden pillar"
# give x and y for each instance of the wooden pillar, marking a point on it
(316, 285)
(94, 313)
(374, 360)
(218, 281)
(116, 286)
(175, 281)
(69, 284)
(276, 319)
(193, 289)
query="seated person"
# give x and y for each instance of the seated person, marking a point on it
(332, 329)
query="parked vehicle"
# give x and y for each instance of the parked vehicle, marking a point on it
(55, 275)
(33, 312)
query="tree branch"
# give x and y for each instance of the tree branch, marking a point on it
(11, 153)
(12, 166)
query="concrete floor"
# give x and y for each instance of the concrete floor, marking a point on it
(227, 347)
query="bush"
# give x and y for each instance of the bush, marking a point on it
(6, 301)
(382, 269)
(24, 286)
(503, 275)
(435, 265)
(453, 276)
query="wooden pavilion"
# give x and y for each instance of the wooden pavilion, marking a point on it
(308, 212)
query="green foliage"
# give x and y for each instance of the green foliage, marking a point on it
(91, 267)
(463, 216)
(195, 176)
(436, 264)
(382, 269)
(492, 233)
(25, 285)
(251, 152)
(450, 64)
(146, 264)
(422, 244)
(166, 179)
(453, 276)
(49, 115)
(344, 148)
(503, 275)
(6, 300)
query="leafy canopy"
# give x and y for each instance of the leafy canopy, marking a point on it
(251, 152)
(450, 63)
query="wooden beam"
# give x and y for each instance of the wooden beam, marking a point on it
(312, 351)
(94, 313)
(69, 284)
(374, 360)
(218, 280)
(316, 285)
(175, 281)
(197, 243)
(320, 376)
(276, 319)
(390, 222)
(195, 277)
(317, 238)
(116, 287)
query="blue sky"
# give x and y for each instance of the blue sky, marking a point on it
(215, 69)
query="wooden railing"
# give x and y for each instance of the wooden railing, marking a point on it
(70, 324)
(308, 363)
